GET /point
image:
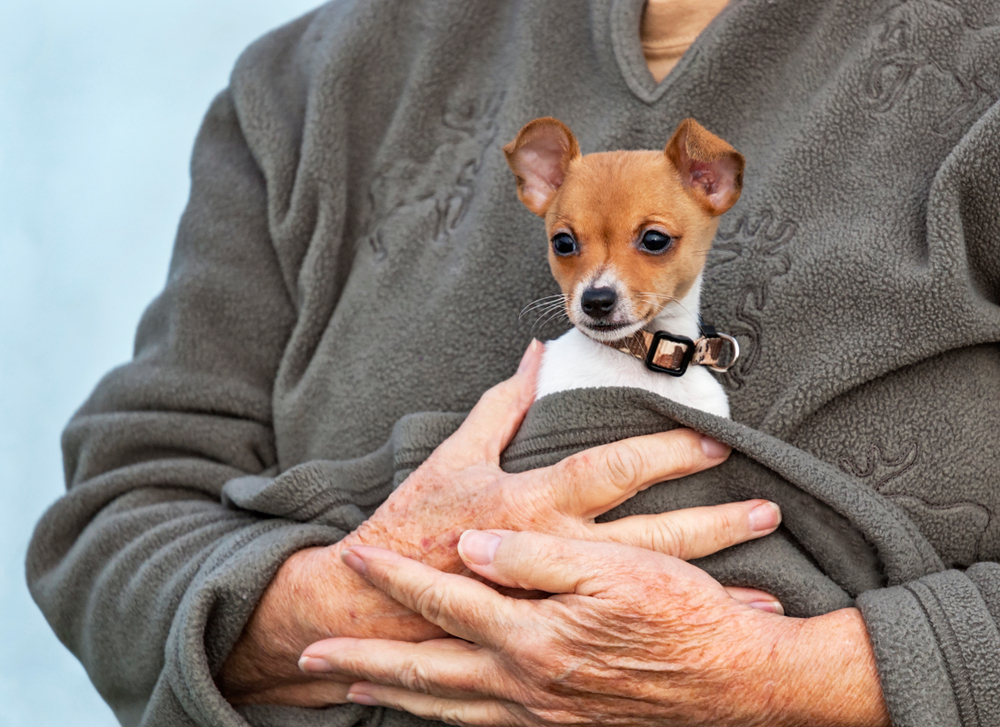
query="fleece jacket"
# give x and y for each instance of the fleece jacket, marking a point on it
(351, 265)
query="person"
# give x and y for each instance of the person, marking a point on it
(349, 270)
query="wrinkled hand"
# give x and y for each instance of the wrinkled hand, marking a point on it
(636, 638)
(461, 487)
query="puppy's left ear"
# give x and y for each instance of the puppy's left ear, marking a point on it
(539, 157)
(709, 167)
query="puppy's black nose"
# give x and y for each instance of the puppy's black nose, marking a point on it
(598, 302)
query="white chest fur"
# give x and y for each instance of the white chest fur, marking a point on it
(574, 361)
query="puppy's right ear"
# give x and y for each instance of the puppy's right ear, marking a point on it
(539, 158)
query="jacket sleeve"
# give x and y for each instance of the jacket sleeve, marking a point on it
(937, 638)
(938, 647)
(141, 569)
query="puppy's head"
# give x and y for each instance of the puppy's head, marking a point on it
(628, 230)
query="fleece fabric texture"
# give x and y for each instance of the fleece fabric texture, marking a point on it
(353, 260)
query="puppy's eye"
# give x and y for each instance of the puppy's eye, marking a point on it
(564, 244)
(654, 242)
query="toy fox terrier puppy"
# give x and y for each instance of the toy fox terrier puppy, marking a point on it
(628, 234)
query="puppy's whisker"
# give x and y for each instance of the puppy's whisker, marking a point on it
(554, 314)
(545, 310)
(541, 302)
(681, 306)
(544, 299)
(546, 303)
(548, 311)
(656, 297)
(542, 311)
(653, 296)
(545, 320)
(545, 307)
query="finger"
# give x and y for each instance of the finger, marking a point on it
(442, 667)
(310, 694)
(494, 420)
(451, 711)
(533, 561)
(595, 480)
(760, 600)
(694, 532)
(461, 606)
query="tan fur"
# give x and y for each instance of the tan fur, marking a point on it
(606, 201)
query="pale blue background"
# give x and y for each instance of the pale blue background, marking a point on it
(99, 104)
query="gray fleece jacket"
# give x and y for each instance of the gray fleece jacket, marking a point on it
(353, 260)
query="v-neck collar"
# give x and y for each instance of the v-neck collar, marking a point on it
(626, 19)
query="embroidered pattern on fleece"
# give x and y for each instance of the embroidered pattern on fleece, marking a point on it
(757, 243)
(939, 46)
(877, 465)
(939, 522)
(426, 199)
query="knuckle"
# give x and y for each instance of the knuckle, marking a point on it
(430, 601)
(624, 464)
(414, 675)
(574, 468)
(529, 650)
(569, 477)
(727, 526)
(450, 713)
(546, 664)
(670, 539)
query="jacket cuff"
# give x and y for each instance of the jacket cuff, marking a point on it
(212, 615)
(937, 649)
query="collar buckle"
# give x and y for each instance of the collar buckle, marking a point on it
(669, 354)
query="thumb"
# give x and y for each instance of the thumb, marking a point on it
(537, 562)
(495, 418)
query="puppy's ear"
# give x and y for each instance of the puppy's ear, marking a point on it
(539, 158)
(709, 167)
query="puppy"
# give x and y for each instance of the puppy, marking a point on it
(628, 234)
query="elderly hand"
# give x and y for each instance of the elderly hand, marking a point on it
(635, 638)
(461, 487)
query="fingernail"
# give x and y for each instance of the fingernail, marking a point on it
(769, 606)
(527, 355)
(765, 517)
(352, 561)
(314, 664)
(478, 547)
(364, 699)
(713, 448)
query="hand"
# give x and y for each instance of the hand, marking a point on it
(461, 487)
(636, 638)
